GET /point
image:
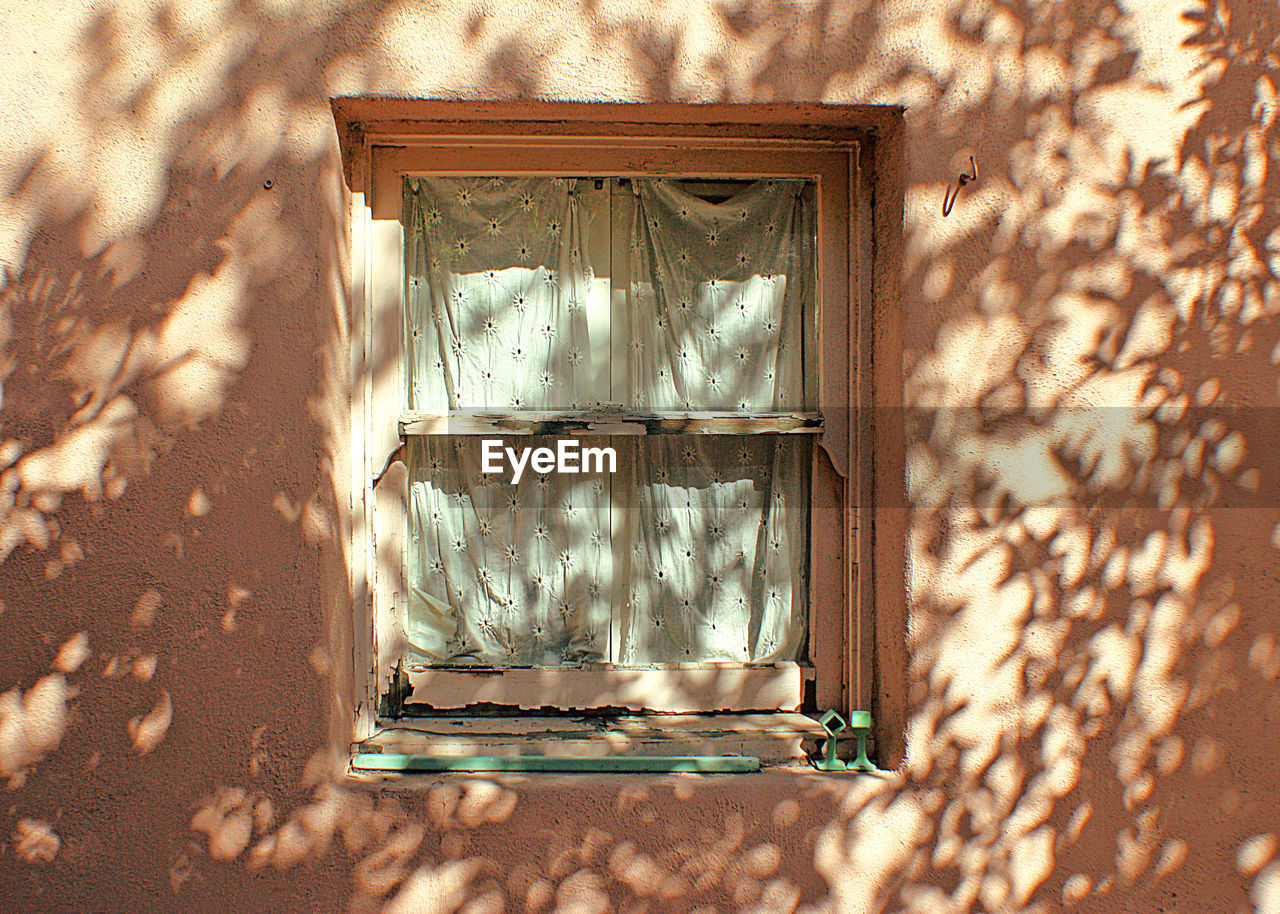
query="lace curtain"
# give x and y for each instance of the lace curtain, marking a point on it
(696, 549)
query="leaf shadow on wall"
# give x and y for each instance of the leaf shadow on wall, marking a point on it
(1092, 511)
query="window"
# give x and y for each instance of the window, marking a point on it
(677, 296)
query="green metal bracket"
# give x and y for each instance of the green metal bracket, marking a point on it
(709, 764)
(834, 724)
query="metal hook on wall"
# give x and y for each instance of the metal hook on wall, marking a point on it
(949, 198)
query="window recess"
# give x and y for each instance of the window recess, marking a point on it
(545, 596)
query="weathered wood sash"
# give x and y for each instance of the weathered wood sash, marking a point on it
(587, 422)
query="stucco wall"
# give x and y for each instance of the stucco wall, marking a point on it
(1092, 554)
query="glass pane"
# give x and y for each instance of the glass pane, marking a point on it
(506, 574)
(719, 297)
(710, 563)
(718, 527)
(498, 282)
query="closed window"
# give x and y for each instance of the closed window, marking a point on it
(532, 306)
(606, 429)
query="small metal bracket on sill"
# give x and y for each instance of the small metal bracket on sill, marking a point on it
(834, 724)
(377, 762)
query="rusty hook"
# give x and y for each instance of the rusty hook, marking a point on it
(949, 198)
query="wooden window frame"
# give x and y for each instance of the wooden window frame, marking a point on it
(857, 467)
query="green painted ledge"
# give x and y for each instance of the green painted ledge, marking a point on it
(709, 764)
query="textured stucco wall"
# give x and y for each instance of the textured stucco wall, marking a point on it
(1090, 358)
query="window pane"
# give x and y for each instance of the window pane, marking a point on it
(498, 286)
(719, 556)
(502, 574)
(709, 564)
(721, 294)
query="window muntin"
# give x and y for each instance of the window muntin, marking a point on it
(697, 551)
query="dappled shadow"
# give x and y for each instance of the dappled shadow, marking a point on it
(166, 414)
(584, 840)
(1090, 374)
(1090, 508)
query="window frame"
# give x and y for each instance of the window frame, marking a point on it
(663, 687)
(739, 141)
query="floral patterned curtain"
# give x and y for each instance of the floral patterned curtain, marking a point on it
(696, 550)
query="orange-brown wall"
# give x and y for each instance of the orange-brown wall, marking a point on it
(1092, 533)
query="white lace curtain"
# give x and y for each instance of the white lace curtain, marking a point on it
(696, 549)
